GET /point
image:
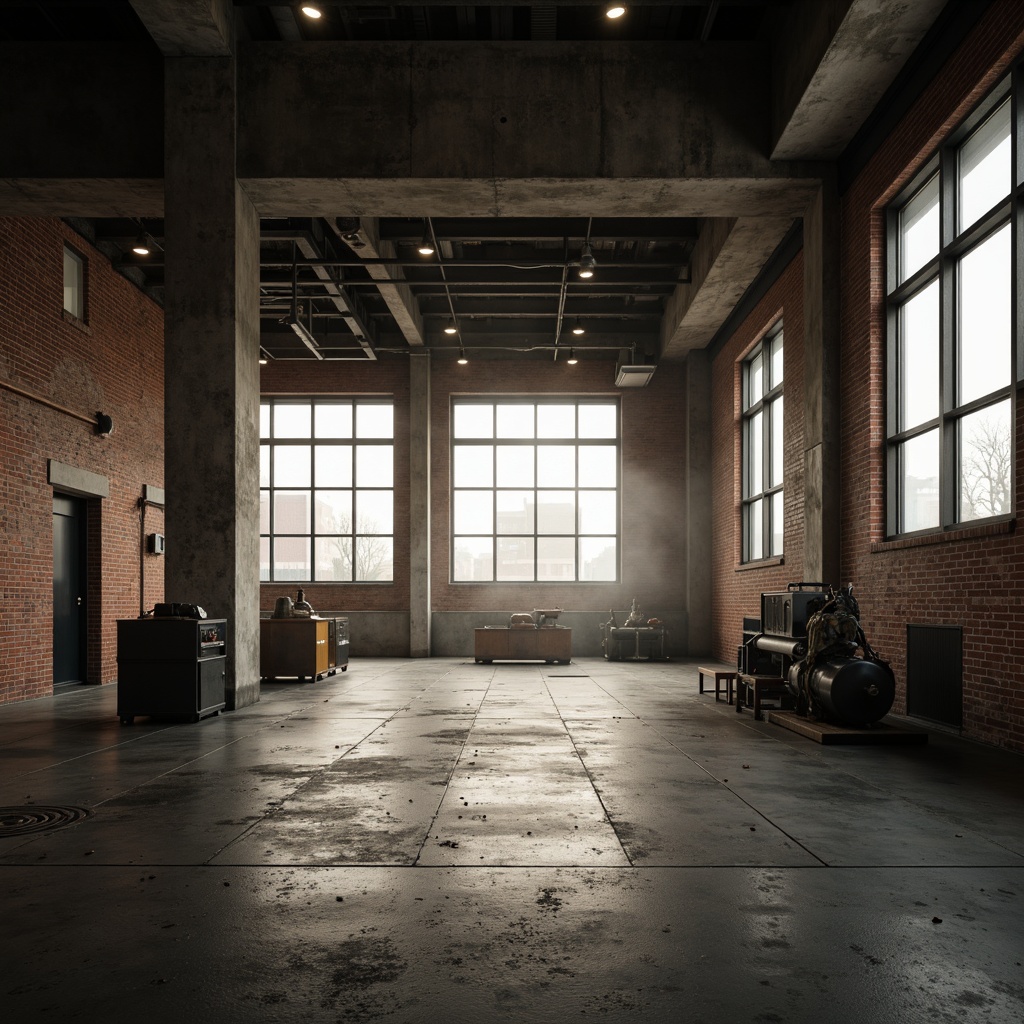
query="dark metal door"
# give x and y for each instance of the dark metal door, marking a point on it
(68, 589)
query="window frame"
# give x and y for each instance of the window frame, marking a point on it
(353, 534)
(765, 406)
(955, 243)
(79, 262)
(535, 442)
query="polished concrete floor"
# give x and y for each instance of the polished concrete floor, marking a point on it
(435, 840)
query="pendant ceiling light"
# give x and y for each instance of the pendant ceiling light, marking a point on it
(587, 261)
(426, 247)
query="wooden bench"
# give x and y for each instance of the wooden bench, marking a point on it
(751, 690)
(721, 675)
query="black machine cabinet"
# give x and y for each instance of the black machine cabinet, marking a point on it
(786, 613)
(170, 667)
(337, 644)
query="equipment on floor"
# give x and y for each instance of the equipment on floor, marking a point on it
(811, 632)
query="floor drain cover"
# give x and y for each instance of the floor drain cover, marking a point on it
(22, 821)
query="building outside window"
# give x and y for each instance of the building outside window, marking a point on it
(74, 283)
(951, 355)
(535, 490)
(327, 490)
(763, 449)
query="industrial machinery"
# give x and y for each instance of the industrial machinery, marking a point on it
(812, 635)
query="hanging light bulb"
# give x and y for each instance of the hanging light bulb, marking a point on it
(615, 11)
(426, 247)
(451, 328)
(587, 261)
(578, 327)
(141, 246)
(312, 11)
(572, 360)
(462, 356)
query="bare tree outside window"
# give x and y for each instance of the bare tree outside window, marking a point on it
(986, 459)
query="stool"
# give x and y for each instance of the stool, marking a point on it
(752, 689)
(722, 675)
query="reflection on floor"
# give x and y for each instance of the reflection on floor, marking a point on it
(435, 839)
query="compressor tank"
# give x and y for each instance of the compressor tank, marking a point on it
(851, 691)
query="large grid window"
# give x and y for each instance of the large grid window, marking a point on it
(327, 490)
(763, 450)
(535, 490)
(952, 359)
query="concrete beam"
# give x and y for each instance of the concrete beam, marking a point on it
(726, 260)
(834, 61)
(539, 111)
(83, 129)
(532, 197)
(189, 28)
(396, 294)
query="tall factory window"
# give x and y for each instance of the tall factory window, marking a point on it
(74, 283)
(327, 490)
(535, 490)
(763, 449)
(952, 361)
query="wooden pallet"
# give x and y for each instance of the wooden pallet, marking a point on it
(826, 733)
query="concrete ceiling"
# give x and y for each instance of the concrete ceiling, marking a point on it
(720, 116)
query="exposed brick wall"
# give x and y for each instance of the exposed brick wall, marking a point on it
(653, 554)
(385, 377)
(113, 362)
(969, 578)
(736, 589)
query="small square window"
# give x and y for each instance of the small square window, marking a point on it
(74, 283)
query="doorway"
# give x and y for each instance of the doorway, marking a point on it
(69, 589)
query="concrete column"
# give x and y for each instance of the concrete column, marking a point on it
(822, 479)
(697, 515)
(211, 463)
(419, 505)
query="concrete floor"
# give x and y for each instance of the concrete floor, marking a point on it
(435, 840)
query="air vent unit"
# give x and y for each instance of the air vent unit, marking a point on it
(631, 375)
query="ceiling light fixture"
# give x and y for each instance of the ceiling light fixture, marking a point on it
(572, 360)
(615, 11)
(451, 328)
(587, 262)
(142, 246)
(312, 11)
(578, 327)
(462, 356)
(426, 247)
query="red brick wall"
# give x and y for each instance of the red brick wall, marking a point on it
(112, 363)
(970, 577)
(653, 459)
(736, 589)
(385, 377)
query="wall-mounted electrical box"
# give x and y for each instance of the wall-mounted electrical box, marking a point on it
(155, 543)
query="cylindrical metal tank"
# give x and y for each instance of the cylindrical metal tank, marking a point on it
(851, 691)
(782, 645)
